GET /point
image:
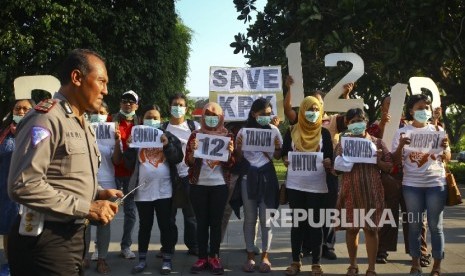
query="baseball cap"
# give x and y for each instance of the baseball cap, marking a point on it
(130, 95)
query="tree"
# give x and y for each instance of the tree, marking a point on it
(145, 44)
(396, 39)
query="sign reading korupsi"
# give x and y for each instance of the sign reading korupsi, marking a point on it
(212, 147)
(254, 139)
(145, 137)
(104, 133)
(358, 150)
(425, 141)
(305, 163)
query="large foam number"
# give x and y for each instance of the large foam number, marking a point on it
(294, 63)
(332, 101)
(417, 83)
(397, 94)
(24, 85)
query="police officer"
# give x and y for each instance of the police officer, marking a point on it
(53, 174)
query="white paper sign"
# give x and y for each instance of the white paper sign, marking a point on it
(294, 63)
(104, 133)
(257, 79)
(237, 107)
(396, 106)
(254, 139)
(145, 137)
(24, 85)
(358, 150)
(305, 164)
(212, 147)
(425, 141)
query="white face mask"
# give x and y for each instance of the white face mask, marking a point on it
(152, 122)
(98, 118)
(312, 116)
(178, 111)
(212, 121)
(128, 115)
(17, 118)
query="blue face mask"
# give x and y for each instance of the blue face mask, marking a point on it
(264, 120)
(357, 128)
(98, 118)
(152, 123)
(312, 116)
(212, 121)
(178, 111)
(128, 115)
(17, 118)
(422, 116)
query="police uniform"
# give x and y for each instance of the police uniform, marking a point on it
(53, 171)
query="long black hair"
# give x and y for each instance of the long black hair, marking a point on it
(257, 105)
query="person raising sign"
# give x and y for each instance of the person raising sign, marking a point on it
(362, 190)
(208, 191)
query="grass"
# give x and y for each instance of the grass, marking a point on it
(280, 169)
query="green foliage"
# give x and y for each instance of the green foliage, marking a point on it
(145, 45)
(458, 169)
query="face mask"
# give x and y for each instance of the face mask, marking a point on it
(98, 118)
(357, 128)
(422, 116)
(128, 115)
(312, 116)
(212, 121)
(264, 120)
(17, 118)
(152, 122)
(178, 111)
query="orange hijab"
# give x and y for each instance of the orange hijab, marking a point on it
(305, 135)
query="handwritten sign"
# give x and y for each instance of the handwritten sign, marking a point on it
(258, 79)
(104, 133)
(358, 150)
(237, 107)
(305, 164)
(425, 141)
(145, 137)
(254, 139)
(212, 147)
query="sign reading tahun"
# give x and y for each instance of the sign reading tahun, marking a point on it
(254, 139)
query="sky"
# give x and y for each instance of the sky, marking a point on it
(214, 25)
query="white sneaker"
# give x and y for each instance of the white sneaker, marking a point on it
(127, 253)
(94, 256)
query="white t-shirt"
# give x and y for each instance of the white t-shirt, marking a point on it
(183, 133)
(420, 170)
(154, 175)
(211, 173)
(317, 184)
(257, 158)
(106, 171)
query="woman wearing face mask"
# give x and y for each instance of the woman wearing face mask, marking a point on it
(308, 136)
(8, 208)
(259, 187)
(154, 171)
(423, 183)
(362, 190)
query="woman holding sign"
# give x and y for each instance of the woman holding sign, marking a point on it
(306, 181)
(422, 148)
(361, 190)
(259, 186)
(208, 192)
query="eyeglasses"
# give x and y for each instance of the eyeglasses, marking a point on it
(126, 101)
(22, 108)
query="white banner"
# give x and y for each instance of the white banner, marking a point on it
(212, 147)
(237, 107)
(235, 79)
(104, 133)
(145, 137)
(254, 139)
(425, 141)
(305, 164)
(358, 150)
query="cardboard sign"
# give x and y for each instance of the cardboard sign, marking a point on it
(254, 139)
(24, 85)
(145, 137)
(417, 83)
(358, 150)
(212, 147)
(237, 107)
(104, 133)
(305, 163)
(294, 63)
(257, 79)
(397, 94)
(425, 141)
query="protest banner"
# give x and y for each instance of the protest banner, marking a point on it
(238, 106)
(104, 133)
(305, 164)
(425, 141)
(145, 137)
(212, 147)
(358, 150)
(25, 84)
(254, 139)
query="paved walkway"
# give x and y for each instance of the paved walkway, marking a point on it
(233, 255)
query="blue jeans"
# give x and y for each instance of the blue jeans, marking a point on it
(433, 200)
(129, 208)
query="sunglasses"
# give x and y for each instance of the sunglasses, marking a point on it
(126, 101)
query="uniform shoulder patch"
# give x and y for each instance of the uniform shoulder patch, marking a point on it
(45, 105)
(38, 134)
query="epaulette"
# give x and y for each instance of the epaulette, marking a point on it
(46, 105)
